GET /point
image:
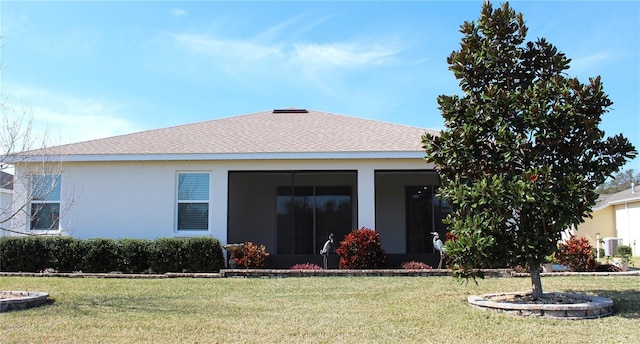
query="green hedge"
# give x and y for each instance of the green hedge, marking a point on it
(66, 254)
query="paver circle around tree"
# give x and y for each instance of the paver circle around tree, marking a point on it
(19, 300)
(555, 305)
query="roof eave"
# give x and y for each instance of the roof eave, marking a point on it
(239, 156)
(618, 202)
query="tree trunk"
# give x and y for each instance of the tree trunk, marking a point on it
(536, 283)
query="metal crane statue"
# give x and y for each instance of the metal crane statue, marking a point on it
(326, 249)
(438, 245)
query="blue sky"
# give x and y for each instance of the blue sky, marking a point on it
(88, 70)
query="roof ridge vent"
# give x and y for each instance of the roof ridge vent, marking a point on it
(290, 110)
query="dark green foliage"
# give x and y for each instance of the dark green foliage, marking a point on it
(100, 255)
(186, 255)
(361, 249)
(521, 153)
(624, 251)
(204, 254)
(26, 254)
(134, 255)
(168, 255)
(67, 254)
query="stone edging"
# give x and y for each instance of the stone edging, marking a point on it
(279, 273)
(593, 307)
(588, 273)
(20, 300)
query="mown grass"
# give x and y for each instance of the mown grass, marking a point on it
(305, 310)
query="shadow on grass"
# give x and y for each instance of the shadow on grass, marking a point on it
(626, 303)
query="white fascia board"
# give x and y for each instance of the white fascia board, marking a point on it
(241, 156)
(618, 202)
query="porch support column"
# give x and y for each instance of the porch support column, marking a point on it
(366, 198)
(219, 204)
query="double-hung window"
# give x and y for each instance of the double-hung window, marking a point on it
(45, 202)
(193, 201)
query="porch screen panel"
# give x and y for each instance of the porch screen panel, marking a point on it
(420, 221)
(333, 214)
(425, 213)
(295, 219)
(306, 215)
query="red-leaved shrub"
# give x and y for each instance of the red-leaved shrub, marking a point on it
(576, 254)
(251, 256)
(361, 249)
(415, 266)
(306, 266)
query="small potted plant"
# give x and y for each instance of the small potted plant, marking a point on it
(622, 257)
(547, 266)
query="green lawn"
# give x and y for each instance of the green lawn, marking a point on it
(305, 310)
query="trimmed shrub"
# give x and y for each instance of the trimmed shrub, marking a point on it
(251, 256)
(306, 266)
(23, 254)
(65, 254)
(361, 249)
(168, 255)
(624, 251)
(416, 266)
(577, 254)
(100, 255)
(204, 254)
(134, 255)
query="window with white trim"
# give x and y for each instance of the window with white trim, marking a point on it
(45, 202)
(193, 201)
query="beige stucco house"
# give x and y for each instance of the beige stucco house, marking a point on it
(616, 217)
(285, 179)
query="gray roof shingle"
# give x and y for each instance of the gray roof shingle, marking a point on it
(282, 131)
(625, 196)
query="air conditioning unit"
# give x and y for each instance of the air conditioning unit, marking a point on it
(611, 245)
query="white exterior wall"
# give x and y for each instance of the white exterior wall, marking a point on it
(627, 217)
(6, 196)
(135, 199)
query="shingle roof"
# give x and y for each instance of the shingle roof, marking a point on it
(625, 196)
(281, 131)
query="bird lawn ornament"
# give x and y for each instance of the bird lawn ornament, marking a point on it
(326, 249)
(438, 245)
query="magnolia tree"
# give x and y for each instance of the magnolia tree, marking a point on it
(521, 153)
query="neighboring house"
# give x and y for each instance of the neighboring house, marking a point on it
(6, 196)
(285, 179)
(615, 216)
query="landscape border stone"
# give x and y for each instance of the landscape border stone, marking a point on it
(593, 307)
(281, 273)
(20, 300)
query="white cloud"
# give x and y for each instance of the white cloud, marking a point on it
(349, 55)
(178, 12)
(588, 63)
(233, 50)
(247, 56)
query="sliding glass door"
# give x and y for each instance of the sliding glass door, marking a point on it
(306, 215)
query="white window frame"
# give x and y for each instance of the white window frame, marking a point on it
(201, 201)
(46, 191)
